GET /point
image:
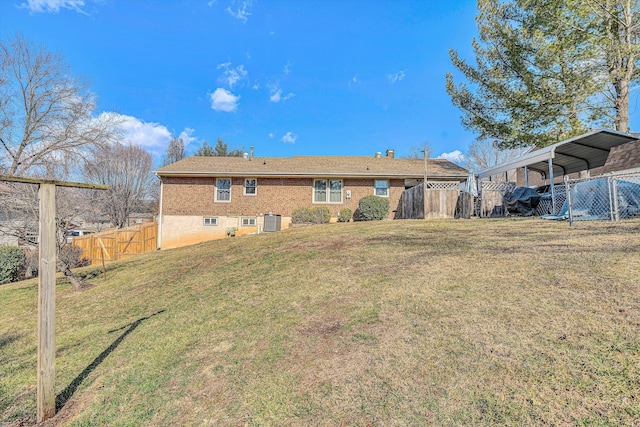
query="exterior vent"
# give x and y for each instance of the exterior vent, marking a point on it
(272, 222)
(378, 154)
(390, 154)
(245, 156)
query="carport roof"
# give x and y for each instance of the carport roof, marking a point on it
(583, 152)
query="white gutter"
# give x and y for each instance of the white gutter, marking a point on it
(303, 175)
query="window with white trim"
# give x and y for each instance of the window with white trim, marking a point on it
(210, 220)
(381, 187)
(248, 221)
(223, 190)
(250, 186)
(327, 191)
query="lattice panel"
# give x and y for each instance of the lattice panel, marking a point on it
(497, 186)
(443, 185)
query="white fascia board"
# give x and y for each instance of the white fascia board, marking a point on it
(302, 175)
(541, 155)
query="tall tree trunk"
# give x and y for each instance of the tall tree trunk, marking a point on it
(622, 105)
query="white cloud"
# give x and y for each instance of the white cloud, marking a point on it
(393, 78)
(154, 137)
(454, 156)
(287, 68)
(271, 135)
(275, 94)
(223, 100)
(53, 6)
(289, 138)
(187, 136)
(240, 9)
(231, 75)
(255, 86)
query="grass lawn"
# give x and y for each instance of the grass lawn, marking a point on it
(393, 323)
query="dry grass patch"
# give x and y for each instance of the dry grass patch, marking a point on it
(506, 322)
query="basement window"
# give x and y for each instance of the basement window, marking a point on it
(248, 222)
(210, 220)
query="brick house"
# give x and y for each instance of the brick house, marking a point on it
(201, 196)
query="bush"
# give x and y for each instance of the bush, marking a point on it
(317, 215)
(301, 215)
(12, 262)
(373, 208)
(345, 215)
(321, 215)
(72, 256)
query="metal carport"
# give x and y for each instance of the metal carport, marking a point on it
(581, 153)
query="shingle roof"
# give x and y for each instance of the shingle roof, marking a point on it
(305, 166)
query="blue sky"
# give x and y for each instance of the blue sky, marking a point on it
(296, 77)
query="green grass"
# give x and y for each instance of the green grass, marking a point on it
(393, 323)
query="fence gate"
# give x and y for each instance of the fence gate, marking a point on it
(440, 199)
(492, 198)
(118, 244)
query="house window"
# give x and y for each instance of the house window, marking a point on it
(248, 222)
(320, 191)
(335, 191)
(223, 190)
(211, 220)
(323, 186)
(382, 187)
(250, 186)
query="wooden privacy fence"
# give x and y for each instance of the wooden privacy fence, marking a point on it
(438, 201)
(492, 198)
(118, 244)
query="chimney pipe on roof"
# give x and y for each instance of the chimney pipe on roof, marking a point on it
(378, 154)
(251, 152)
(390, 154)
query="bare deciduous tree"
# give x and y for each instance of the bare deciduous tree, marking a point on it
(417, 152)
(127, 170)
(44, 112)
(46, 127)
(484, 154)
(175, 151)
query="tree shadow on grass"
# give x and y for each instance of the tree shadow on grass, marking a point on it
(63, 397)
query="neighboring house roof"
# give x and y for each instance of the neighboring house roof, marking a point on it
(311, 166)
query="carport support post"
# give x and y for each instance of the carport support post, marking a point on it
(553, 191)
(526, 176)
(46, 401)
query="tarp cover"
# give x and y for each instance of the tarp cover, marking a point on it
(522, 200)
(590, 200)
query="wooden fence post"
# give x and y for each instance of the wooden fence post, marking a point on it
(46, 401)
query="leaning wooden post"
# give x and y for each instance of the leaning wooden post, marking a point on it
(47, 304)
